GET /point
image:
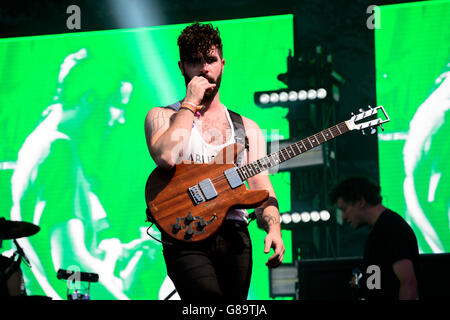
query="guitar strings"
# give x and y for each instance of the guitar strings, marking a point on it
(335, 131)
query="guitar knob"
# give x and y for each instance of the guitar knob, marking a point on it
(188, 219)
(189, 232)
(176, 227)
(201, 224)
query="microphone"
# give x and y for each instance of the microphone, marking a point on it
(82, 276)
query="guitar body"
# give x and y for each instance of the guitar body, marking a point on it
(172, 208)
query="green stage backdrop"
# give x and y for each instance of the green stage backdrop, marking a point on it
(413, 83)
(79, 171)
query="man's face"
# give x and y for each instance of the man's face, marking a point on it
(351, 212)
(209, 67)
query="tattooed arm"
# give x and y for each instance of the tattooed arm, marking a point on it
(167, 133)
(268, 218)
(268, 215)
(166, 140)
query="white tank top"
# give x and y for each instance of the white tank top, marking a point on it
(201, 152)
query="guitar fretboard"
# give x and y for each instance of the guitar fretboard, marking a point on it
(291, 151)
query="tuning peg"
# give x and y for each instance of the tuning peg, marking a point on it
(352, 114)
(363, 132)
(369, 107)
(361, 110)
(381, 127)
(373, 131)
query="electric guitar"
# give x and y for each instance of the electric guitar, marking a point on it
(190, 201)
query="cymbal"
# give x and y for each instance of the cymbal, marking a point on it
(16, 229)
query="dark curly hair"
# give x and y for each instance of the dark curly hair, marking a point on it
(352, 189)
(197, 40)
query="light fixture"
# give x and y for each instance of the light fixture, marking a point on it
(325, 215)
(283, 97)
(264, 98)
(274, 97)
(296, 217)
(312, 94)
(286, 218)
(293, 95)
(302, 95)
(306, 217)
(315, 216)
(321, 93)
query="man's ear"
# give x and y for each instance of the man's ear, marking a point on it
(180, 65)
(362, 202)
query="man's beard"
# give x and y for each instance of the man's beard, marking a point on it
(209, 95)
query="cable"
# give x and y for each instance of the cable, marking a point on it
(160, 241)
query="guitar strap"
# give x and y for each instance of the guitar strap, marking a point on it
(239, 129)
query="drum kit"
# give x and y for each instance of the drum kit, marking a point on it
(16, 229)
(11, 279)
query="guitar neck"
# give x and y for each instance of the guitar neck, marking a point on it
(291, 151)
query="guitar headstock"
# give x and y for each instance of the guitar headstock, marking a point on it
(372, 119)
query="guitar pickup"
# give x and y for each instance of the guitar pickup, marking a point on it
(233, 178)
(208, 189)
(203, 191)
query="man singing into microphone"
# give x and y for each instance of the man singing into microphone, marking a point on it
(196, 129)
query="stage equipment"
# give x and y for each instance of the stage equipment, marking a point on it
(74, 277)
(284, 281)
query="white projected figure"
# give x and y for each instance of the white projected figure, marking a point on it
(425, 159)
(50, 187)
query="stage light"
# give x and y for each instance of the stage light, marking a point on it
(315, 216)
(306, 217)
(140, 14)
(296, 217)
(312, 94)
(293, 95)
(286, 218)
(274, 98)
(325, 215)
(321, 93)
(264, 98)
(283, 97)
(302, 95)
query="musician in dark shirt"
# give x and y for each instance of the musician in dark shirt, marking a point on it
(391, 252)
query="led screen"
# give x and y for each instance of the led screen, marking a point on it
(76, 164)
(412, 75)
